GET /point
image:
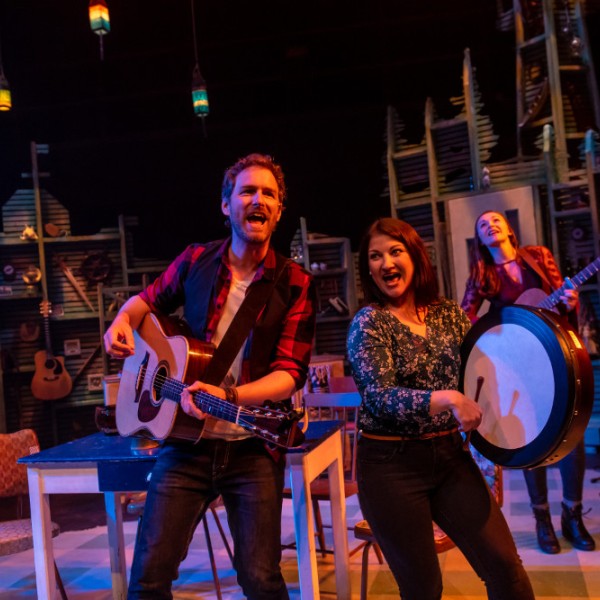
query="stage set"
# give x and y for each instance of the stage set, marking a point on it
(93, 209)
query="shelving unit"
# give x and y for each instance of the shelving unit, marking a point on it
(557, 126)
(556, 83)
(330, 261)
(74, 319)
(447, 163)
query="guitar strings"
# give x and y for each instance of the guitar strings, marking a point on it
(233, 413)
(177, 386)
(170, 384)
(552, 299)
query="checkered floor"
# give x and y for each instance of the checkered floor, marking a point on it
(82, 559)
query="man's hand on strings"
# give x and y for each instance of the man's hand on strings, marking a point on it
(187, 402)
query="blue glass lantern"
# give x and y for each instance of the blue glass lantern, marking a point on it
(199, 93)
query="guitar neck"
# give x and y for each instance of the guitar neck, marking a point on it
(46, 310)
(207, 403)
(577, 281)
(47, 336)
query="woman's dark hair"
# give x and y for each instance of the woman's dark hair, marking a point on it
(483, 272)
(424, 283)
(252, 160)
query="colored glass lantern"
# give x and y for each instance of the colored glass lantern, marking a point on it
(99, 21)
(99, 17)
(199, 93)
(5, 96)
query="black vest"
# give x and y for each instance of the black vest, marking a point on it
(199, 289)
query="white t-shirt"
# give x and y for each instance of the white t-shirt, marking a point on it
(218, 428)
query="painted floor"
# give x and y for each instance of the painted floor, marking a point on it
(83, 562)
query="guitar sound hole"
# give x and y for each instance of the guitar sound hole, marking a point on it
(158, 384)
(53, 365)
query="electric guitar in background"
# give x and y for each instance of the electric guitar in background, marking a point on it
(51, 381)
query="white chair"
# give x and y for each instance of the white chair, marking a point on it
(341, 403)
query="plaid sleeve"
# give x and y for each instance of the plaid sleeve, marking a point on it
(295, 342)
(166, 293)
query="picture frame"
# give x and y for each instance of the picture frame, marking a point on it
(72, 347)
(95, 382)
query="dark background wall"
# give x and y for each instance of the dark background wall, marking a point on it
(307, 82)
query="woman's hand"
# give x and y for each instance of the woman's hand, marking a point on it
(187, 402)
(570, 296)
(466, 411)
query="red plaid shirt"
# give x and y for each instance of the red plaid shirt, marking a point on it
(171, 290)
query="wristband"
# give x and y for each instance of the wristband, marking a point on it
(231, 395)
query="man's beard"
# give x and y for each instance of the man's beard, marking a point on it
(250, 237)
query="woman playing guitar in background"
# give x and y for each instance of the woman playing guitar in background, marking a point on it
(502, 273)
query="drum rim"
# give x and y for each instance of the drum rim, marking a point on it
(552, 335)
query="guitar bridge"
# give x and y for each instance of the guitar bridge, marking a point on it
(141, 376)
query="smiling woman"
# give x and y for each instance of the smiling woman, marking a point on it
(504, 274)
(404, 350)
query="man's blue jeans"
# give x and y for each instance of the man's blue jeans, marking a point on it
(185, 480)
(405, 485)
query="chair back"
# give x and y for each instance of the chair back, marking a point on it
(13, 476)
(341, 403)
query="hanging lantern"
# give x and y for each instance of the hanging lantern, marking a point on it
(5, 97)
(199, 93)
(99, 21)
(99, 17)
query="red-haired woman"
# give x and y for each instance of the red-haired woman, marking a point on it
(501, 272)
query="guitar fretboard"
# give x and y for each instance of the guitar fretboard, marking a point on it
(216, 407)
(577, 280)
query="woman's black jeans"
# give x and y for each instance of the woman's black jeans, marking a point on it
(405, 485)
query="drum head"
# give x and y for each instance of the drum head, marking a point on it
(529, 390)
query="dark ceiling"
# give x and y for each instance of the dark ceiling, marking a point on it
(308, 82)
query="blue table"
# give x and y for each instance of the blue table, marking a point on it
(111, 464)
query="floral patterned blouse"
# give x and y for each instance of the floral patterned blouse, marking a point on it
(396, 370)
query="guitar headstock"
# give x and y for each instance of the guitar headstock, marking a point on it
(45, 308)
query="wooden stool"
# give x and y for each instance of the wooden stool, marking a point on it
(362, 531)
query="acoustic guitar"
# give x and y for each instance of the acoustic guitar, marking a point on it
(51, 381)
(538, 298)
(164, 363)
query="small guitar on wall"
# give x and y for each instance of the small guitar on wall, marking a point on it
(51, 381)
